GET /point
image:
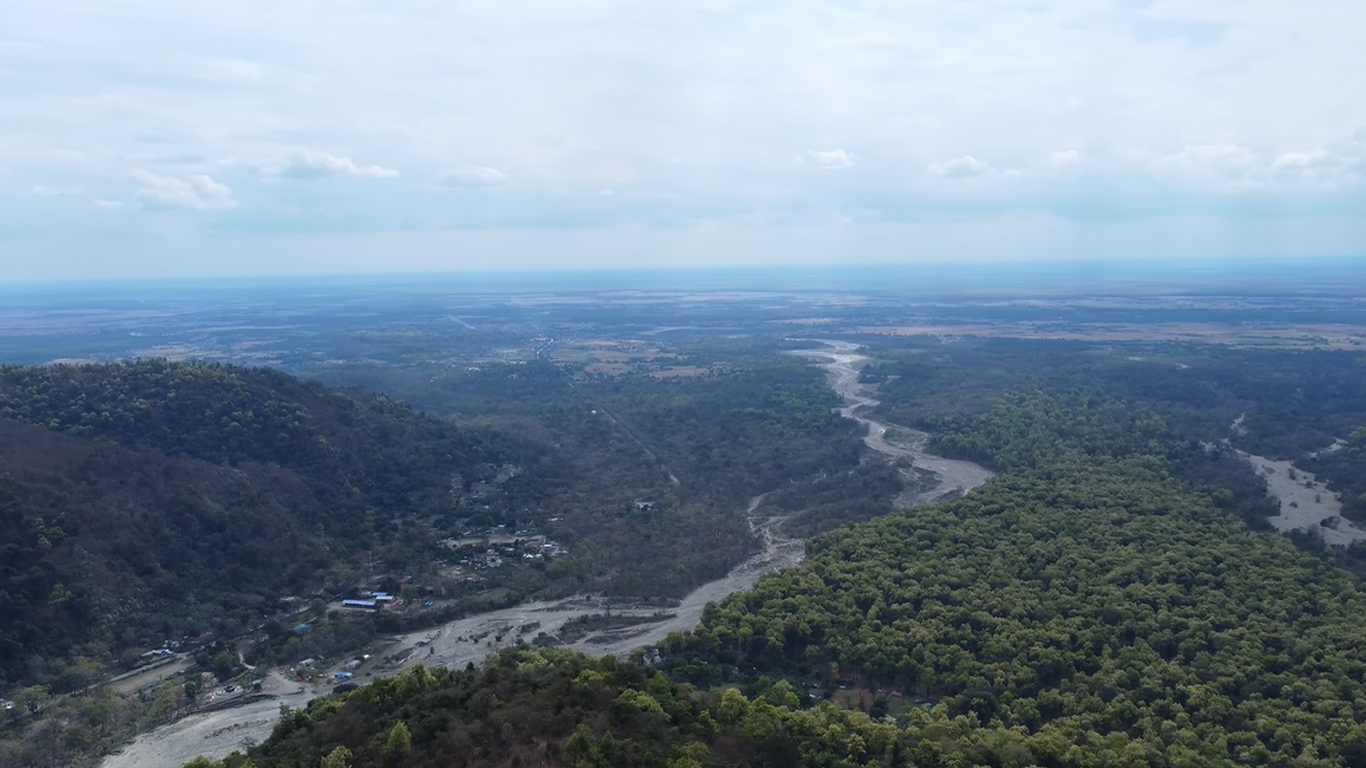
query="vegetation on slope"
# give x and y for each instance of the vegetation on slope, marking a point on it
(1088, 608)
(1088, 596)
(357, 452)
(105, 552)
(1289, 404)
(698, 448)
(154, 500)
(183, 498)
(553, 708)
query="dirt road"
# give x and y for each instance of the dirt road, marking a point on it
(130, 683)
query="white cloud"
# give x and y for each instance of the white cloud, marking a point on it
(830, 159)
(964, 167)
(570, 98)
(1204, 157)
(1064, 158)
(43, 191)
(102, 203)
(198, 192)
(1337, 163)
(473, 176)
(307, 164)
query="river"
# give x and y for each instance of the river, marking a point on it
(953, 478)
(473, 639)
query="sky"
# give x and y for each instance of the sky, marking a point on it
(161, 138)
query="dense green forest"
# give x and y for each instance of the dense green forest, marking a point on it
(554, 708)
(149, 501)
(358, 452)
(1088, 594)
(1088, 608)
(1292, 404)
(107, 551)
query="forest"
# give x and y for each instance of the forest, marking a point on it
(1110, 599)
(151, 501)
(1090, 607)
(699, 448)
(1288, 404)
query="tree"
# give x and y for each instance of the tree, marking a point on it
(399, 742)
(338, 758)
(223, 666)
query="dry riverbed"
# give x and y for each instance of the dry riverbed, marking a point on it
(213, 733)
(1305, 501)
(473, 639)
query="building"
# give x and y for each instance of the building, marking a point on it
(362, 605)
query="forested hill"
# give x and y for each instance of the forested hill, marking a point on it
(1088, 608)
(372, 450)
(146, 501)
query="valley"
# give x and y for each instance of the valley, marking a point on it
(601, 475)
(472, 640)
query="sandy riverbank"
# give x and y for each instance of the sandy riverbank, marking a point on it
(1305, 502)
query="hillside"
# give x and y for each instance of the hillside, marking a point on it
(360, 452)
(554, 708)
(1088, 608)
(109, 551)
(1089, 603)
(149, 501)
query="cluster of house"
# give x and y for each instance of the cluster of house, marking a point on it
(310, 666)
(541, 547)
(525, 544)
(373, 601)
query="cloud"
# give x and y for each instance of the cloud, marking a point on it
(1322, 165)
(307, 164)
(1194, 32)
(1337, 163)
(198, 192)
(101, 203)
(1159, 103)
(830, 159)
(1064, 158)
(473, 176)
(1238, 168)
(42, 191)
(964, 167)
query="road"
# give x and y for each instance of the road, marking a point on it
(473, 639)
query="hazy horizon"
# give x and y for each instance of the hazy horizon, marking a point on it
(1330, 276)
